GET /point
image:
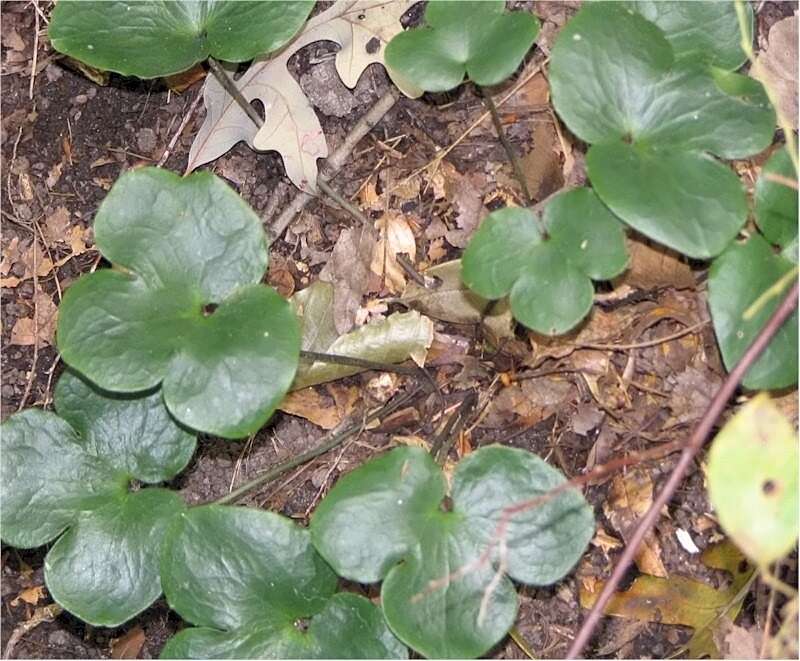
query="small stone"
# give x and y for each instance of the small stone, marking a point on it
(146, 140)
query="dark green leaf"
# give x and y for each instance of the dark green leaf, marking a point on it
(385, 520)
(705, 30)
(48, 478)
(776, 203)
(617, 83)
(133, 433)
(737, 279)
(478, 39)
(105, 568)
(152, 38)
(752, 481)
(249, 578)
(549, 280)
(182, 305)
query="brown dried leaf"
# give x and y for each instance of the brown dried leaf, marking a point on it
(449, 300)
(630, 495)
(651, 266)
(56, 226)
(324, 411)
(736, 642)
(395, 237)
(779, 64)
(24, 331)
(128, 646)
(31, 595)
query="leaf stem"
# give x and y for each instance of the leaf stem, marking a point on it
(332, 441)
(692, 447)
(343, 202)
(230, 87)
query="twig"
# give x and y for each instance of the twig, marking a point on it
(44, 614)
(642, 345)
(230, 87)
(342, 201)
(780, 179)
(335, 162)
(701, 432)
(35, 52)
(512, 156)
(523, 644)
(322, 448)
(35, 359)
(181, 126)
(768, 619)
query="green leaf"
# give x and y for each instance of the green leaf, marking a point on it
(385, 521)
(248, 578)
(549, 280)
(48, 478)
(478, 39)
(776, 203)
(183, 306)
(105, 568)
(152, 38)
(737, 280)
(397, 338)
(136, 435)
(704, 30)
(752, 481)
(653, 116)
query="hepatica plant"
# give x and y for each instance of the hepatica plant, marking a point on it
(256, 589)
(152, 38)
(446, 560)
(657, 101)
(183, 305)
(477, 39)
(66, 476)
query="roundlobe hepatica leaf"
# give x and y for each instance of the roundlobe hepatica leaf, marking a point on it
(151, 38)
(385, 521)
(653, 119)
(478, 39)
(183, 305)
(752, 480)
(737, 279)
(249, 580)
(58, 477)
(776, 204)
(550, 280)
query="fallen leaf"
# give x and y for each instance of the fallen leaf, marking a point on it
(24, 333)
(785, 643)
(630, 495)
(182, 81)
(393, 340)
(541, 166)
(129, 645)
(465, 192)
(736, 642)
(448, 299)
(31, 595)
(395, 237)
(652, 266)
(348, 269)
(779, 64)
(292, 127)
(56, 226)
(323, 410)
(681, 600)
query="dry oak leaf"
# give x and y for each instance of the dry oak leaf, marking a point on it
(630, 495)
(361, 28)
(779, 66)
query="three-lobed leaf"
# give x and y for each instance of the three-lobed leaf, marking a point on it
(653, 109)
(752, 480)
(385, 521)
(477, 39)
(72, 472)
(549, 279)
(183, 306)
(152, 38)
(249, 579)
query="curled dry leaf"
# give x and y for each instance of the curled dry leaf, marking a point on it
(291, 126)
(26, 332)
(395, 237)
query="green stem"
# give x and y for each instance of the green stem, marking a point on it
(230, 87)
(322, 448)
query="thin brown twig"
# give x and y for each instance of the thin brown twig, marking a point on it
(768, 619)
(701, 432)
(35, 59)
(186, 118)
(642, 345)
(231, 88)
(35, 359)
